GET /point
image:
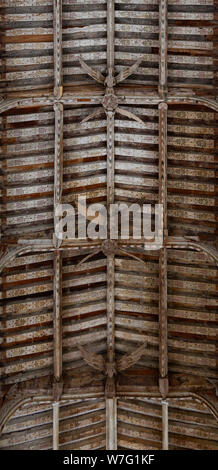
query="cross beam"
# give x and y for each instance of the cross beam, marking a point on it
(111, 403)
(163, 333)
(58, 184)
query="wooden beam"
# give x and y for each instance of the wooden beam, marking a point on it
(111, 403)
(190, 243)
(39, 390)
(110, 35)
(110, 157)
(163, 333)
(165, 425)
(57, 321)
(110, 114)
(111, 424)
(58, 162)
(163, 160)
(163, 4)
(10, 253)
(163, 330)
(110, 303)
(126, 96)
(22, 246)
(57, 25)
(55, 425)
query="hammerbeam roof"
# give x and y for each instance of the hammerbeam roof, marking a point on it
(116, 101)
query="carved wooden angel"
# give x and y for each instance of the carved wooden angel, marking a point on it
(110, 367)
(110, 101)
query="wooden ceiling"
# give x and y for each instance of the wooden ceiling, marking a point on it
(156, 145)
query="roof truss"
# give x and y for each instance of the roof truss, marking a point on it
(94, 95)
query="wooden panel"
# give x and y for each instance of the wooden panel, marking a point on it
(84, 156)
(136, 307)
(28, 138)
(82, 426)
(27, 163)
(84, 35)
(136, 35)
(26, 317)
(191, 172)
(84, 308)
(190, 425)
(191, 47)
(139, 425)
(192, 309)
(27, 46)
(136, 157)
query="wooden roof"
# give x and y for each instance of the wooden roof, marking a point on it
(163, 152)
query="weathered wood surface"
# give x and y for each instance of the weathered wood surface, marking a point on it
(48, 155)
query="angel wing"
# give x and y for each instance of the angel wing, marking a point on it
(93, 115)
(128, 71)
(131, 255)
(130, 115)
(93, 73)
(94, 360)
(129, 359)
(94, 252)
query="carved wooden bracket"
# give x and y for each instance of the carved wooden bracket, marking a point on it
(164, 386)
(57, 390)
(111, 367)
(110, 101)
(109, 247)
(192, 243)
(110, 80)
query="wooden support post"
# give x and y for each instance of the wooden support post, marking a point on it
(163, 4)
(163, 160)
(110, 182)
(110, 35)
(165, 421)
(111, 403)
(57, 315)
(111, 424)
(110, 302)
(163, 333)
(58, 183)
(57, 322)
(110, 158)
(58, 163)
(55, 425)
(57, 25)
(110, 114)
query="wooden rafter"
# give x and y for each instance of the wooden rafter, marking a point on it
(57, 316)
(58, 185)
(163, 47)
(58, 161)
(123, 95)
(57, 25)
(40, 391)
(58, 100)
(111, 403)
(171, 242)
(110, 157)
(165, 425)
(111, 423)
(163, 332)
(110, 35)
